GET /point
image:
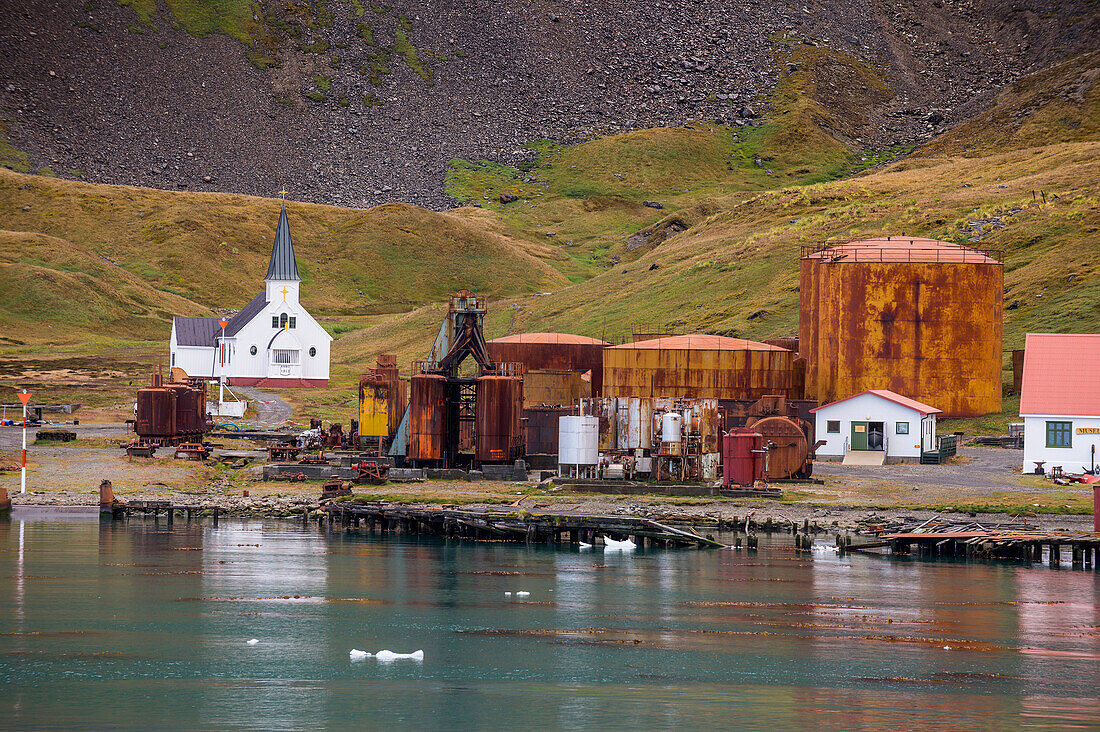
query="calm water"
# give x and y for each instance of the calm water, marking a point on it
(133, 625)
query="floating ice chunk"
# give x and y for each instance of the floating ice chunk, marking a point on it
(584, 545)
(253, 642)
(611, 545)
(357, 655)
(387, 656)
(507, 594)
(522, 593)
(947, 648)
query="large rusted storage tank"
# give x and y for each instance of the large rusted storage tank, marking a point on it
(698, 367)
(562, 355)
(499, 433)
(427, 417)
(917, 316)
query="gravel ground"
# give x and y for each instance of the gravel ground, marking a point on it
(985, 469)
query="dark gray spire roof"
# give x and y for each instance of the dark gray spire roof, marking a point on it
(282, 266)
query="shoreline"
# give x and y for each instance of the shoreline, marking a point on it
(821, 518)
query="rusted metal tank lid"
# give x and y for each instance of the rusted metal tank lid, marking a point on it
(700, 342)
(559, 338)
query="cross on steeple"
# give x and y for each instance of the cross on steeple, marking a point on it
(283, 193)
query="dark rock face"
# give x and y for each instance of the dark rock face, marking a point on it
(86, 86)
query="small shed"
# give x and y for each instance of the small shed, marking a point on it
(878, 423)
(1060, 403)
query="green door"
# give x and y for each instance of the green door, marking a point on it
(859, 435)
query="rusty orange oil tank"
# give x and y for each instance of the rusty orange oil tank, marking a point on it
(562, 355)
(427, 417)
(697, 367)
(917, 316)
(499, 432)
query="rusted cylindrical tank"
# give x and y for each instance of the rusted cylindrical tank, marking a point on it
(560, 352)
(742, 457)
(919, 317)
(427, 417)
(788, 447)
(499, 433)
(170, 413)
(697, 366)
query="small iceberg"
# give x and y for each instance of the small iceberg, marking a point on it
(584, 545)
(357, 655)
(611, 545)
(523, 593)
(390, 656)
(507, 594)
(253, 642)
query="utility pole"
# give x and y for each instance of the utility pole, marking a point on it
(221, 376)
(24, 397)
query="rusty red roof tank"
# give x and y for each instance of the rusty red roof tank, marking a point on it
(916, 316)
(698, 366)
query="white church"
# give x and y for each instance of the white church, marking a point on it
(273, 341)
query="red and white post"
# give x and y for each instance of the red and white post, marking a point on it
(24, 397)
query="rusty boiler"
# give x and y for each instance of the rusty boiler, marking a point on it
(428, 417)
(499, 433)
(917, 316)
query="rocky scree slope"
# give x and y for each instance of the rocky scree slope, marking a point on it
(357, 103)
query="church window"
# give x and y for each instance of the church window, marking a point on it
(282, 320)
(252, 350)
(274, 321)
(312, 351)
(286, 357)
(173, 359)
(293, 322)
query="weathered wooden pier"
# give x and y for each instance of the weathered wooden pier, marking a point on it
(518, 526)
(977, 541)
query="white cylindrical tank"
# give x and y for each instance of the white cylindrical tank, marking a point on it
(671, 426)
(578, 440)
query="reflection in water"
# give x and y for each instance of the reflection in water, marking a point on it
(144, 626)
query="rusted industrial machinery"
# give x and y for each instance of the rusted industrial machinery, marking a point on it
(787, 429)
(460, 417)
(916, 316)
(382, 402)
(743, 458)
(656, 437)
(172, 413)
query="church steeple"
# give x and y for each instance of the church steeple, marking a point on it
(283, 267)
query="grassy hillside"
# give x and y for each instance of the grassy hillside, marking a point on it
(578, 251)
(189, 252)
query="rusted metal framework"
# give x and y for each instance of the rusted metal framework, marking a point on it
(918, 317)
(456, 420)
(786, 426)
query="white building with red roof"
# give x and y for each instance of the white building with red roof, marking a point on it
(1060, 402)
(877, 424)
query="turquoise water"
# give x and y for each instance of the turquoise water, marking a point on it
(135, 625)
